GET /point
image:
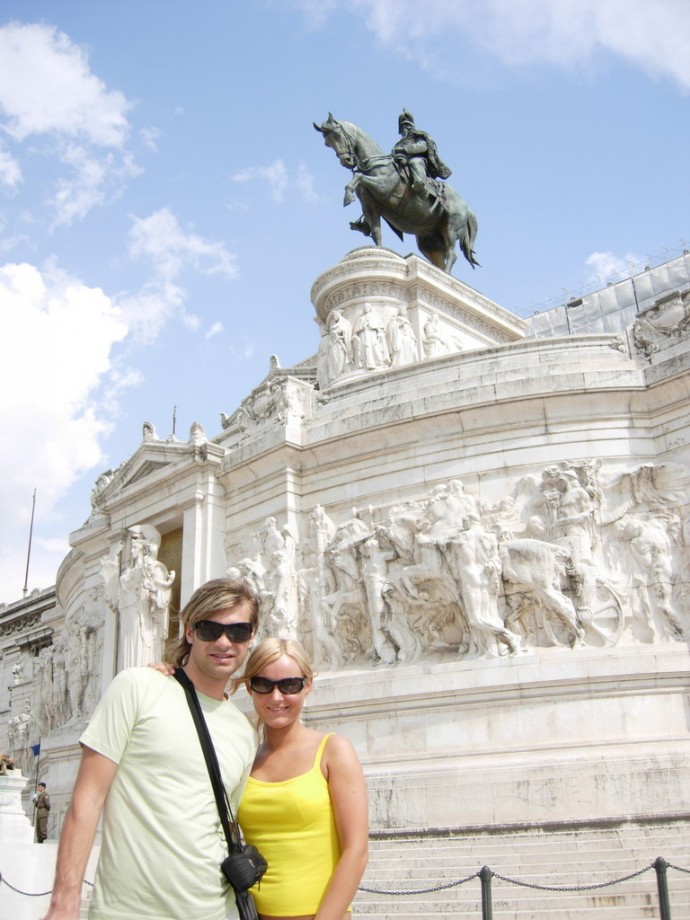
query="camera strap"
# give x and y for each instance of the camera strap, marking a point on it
(232, 832)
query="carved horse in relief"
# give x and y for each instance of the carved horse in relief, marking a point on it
(438, 222)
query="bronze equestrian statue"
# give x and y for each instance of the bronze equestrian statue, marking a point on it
(405, 188)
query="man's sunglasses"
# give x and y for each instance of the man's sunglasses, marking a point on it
(287, 685)
(210, 631)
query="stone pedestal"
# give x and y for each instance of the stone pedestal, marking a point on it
(15, 827)
(545, 737)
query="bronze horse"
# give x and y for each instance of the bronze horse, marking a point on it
(438, 223)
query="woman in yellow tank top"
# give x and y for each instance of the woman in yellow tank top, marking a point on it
(305, 805)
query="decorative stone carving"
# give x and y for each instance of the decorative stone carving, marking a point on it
(568, 557)
(67, 675)
(369, 340)
(650, 570)
(110, 573)
(20, 730)
(102, 482)
(666, 320)
(340, 353)
(278, 592)
(434, 343)
(569, 511)
(534, 573)
(287, 402)
(277, 400)
(401, 339)
(148, 432)
(475, 564)
(145, 587)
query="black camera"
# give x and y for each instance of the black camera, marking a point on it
(244, 868)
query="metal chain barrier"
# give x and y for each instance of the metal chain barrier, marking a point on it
(615, 881)
(514, 881)
(32, 894)
(27, 894)
(422, 890)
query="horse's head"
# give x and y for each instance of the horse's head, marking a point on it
(336, 136)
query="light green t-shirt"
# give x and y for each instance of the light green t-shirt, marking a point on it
(162, 840)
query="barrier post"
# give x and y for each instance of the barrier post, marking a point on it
(485, 876)
(660, 865)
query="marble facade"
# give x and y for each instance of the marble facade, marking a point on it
(479, 525)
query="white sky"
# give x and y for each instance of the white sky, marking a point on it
(165, 204)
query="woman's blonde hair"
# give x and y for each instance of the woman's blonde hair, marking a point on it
(270, 650)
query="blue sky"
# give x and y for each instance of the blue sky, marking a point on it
(165, 203)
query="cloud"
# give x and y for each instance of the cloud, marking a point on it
(160, 239)
(170, 250)
(58, 386)
(275, 175)
(10, 170)
(605, 266)
(564, 33)
(150, 138)
(305, 183)
(93, 178)
(47, 92)
(149, 309)
(46, 87)
(215, 329)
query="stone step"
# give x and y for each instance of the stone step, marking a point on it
(581, 858)
(523, 905)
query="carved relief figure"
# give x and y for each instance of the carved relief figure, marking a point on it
(402, 342)
(346, 604)
(286, 401)
(572, 525)
(393, 640)
(533, 573)
(434, 343)
(369, 344)
(475, 564)
(652, 575)
(340, 355)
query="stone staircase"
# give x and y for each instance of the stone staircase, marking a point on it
(551, 858)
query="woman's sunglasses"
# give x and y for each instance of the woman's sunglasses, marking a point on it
(210, 631)
(287, 685)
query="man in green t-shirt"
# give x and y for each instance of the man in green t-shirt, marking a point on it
(142, 767)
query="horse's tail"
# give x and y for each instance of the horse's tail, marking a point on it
(469, 234)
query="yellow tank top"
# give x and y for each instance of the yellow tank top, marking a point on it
(293, 826)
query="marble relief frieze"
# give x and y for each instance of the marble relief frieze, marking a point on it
(567, 556)
(350, 293)
(468, 319)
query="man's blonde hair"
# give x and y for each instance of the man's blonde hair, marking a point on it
(212, 597)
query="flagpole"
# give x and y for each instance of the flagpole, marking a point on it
(28, 553)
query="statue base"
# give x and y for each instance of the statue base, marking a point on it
(15, 826)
